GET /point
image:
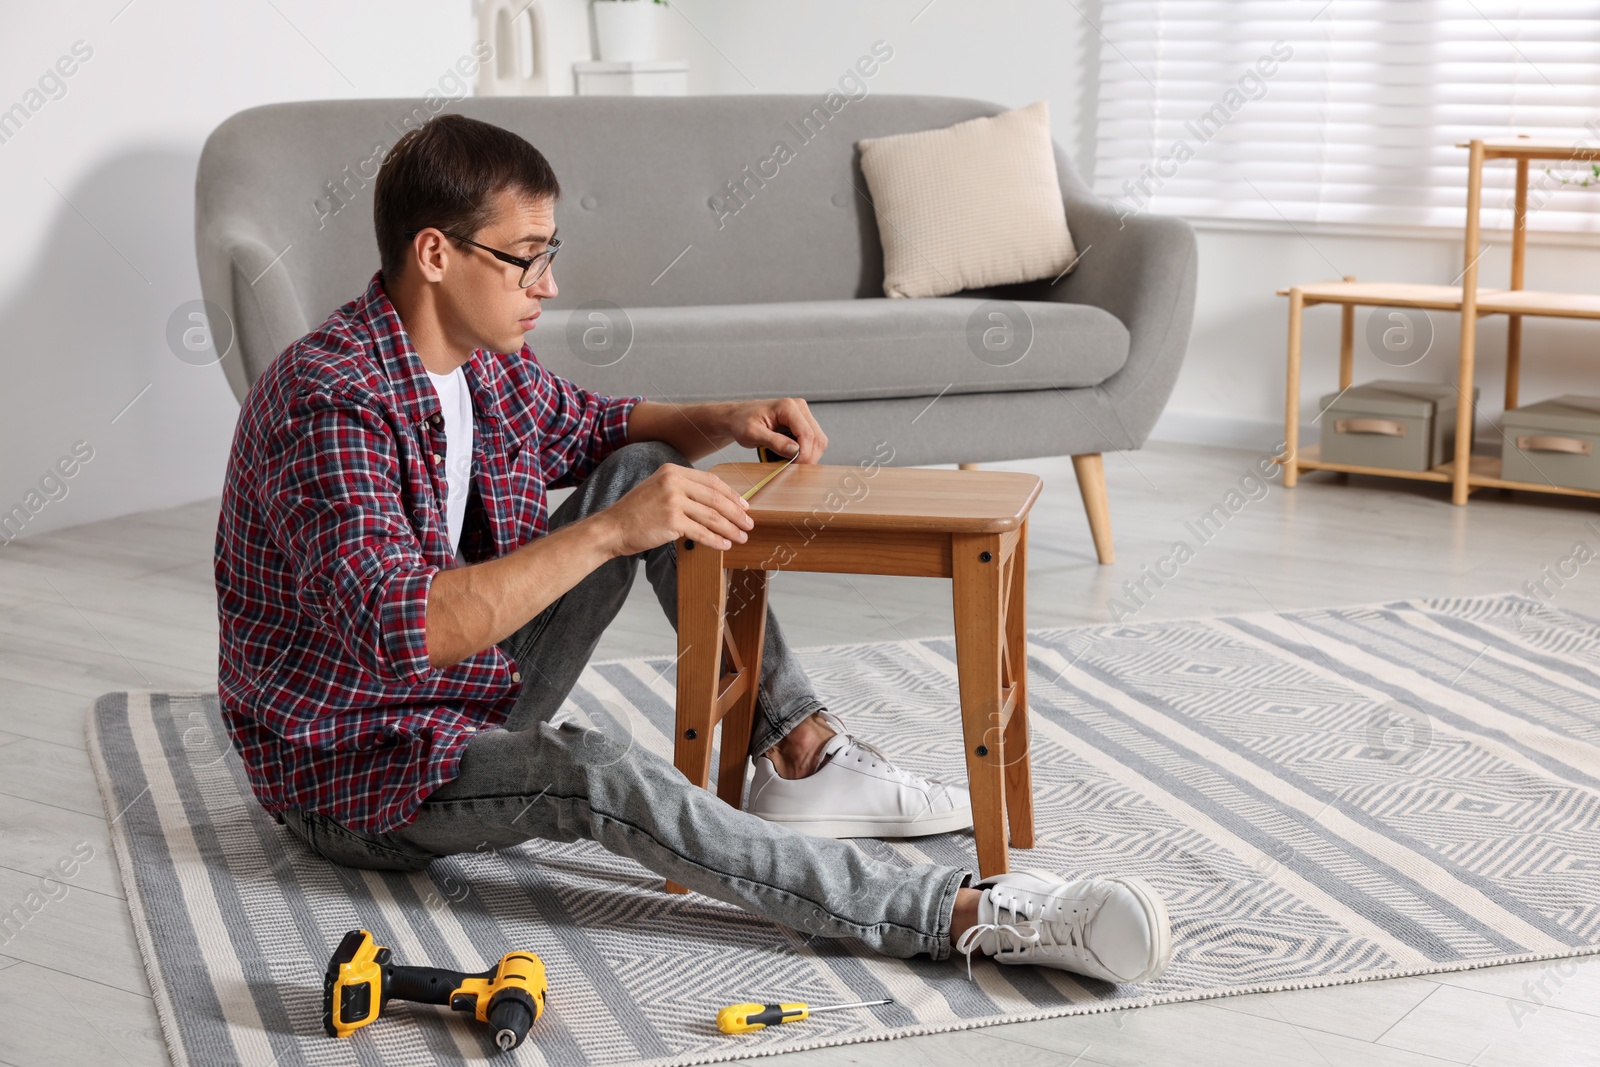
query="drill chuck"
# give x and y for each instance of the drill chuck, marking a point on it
(511, 1015)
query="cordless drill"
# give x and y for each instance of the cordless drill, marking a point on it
(361, 981)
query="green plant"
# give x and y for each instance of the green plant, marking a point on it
(1593, 178)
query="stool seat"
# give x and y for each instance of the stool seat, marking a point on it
(968, 526)
(888, 498)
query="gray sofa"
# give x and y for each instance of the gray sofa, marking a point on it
(687, 275)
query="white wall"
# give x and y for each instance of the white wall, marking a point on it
(97, 206)
(1010, 51)
(97, 209)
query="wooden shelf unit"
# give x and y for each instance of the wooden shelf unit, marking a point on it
(1466, 472)
(1484, 473)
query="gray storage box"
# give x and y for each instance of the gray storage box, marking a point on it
(1554, 442)
(1405, 426)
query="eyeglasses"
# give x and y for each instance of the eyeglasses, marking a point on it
(533, 267)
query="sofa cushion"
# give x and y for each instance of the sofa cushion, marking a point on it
(969, 206)
(824, 350)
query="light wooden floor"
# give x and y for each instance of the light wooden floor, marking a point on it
(128, 604)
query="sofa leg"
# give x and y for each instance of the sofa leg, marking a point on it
(1092, 485)
(967, 466)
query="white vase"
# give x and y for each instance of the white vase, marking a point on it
(535, 45)
(626, 29)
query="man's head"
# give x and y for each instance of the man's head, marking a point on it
(469, 179)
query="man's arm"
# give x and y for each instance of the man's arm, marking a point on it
(697, 430)
(471, 608)
(330, 497)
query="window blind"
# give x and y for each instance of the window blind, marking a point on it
(1344, 112)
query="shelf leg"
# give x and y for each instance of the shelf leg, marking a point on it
(1347, 342)
(1513, 359)
(1459, 488)
(1519, 226)
(1291, 406)
(1519, 249)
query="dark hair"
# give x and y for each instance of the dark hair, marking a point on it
(444, 174)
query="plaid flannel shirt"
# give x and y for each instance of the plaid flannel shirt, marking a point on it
(332, 527)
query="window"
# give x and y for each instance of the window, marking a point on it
(1346, 111)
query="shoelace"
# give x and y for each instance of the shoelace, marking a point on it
(904, 776)
(1029, 932)
(851, 740)
(967, 943)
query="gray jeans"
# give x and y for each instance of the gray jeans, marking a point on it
(567, 782)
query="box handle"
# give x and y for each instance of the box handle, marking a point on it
(1386, 427)
(1571, 445)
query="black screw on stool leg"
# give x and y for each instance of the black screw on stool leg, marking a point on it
(691, 734)
(983, 750)
(688, 543)
(985, 556)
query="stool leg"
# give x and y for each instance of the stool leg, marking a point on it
(702, 596)
(977, 592)
(747, 626)
(1019, 774)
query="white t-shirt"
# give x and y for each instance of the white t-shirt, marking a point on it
(455, 403)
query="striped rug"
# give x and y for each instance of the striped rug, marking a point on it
(1322, 796)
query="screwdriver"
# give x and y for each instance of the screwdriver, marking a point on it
(743, 1018)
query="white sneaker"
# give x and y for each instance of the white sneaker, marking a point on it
(856, 792)
(1115, 929)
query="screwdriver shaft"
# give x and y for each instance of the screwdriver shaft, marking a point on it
(842, 1007)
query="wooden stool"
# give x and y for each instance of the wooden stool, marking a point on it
(969, 526)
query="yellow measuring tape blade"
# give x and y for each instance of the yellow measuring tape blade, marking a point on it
(750, 492)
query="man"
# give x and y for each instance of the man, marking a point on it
(401, 622)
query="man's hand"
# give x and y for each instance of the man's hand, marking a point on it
(697, 430)
(470, 608)
(753, 423)
(675, 502)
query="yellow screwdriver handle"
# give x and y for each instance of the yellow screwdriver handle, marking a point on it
(743, 1018)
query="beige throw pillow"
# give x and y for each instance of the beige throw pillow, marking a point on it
(972, 205)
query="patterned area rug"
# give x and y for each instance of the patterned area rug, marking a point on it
(1322, 796)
